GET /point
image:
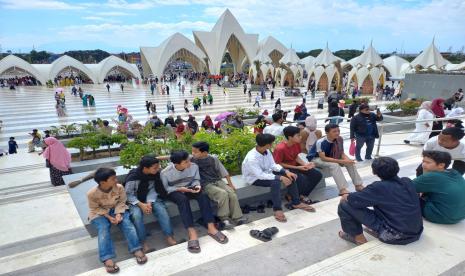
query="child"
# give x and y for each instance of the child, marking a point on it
(12, 146)
(107, 206)
(212, 172)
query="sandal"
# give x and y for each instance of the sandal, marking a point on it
(347, 237)
(259, 235)
(371, 232)
(219, 237)
(305, 207)
(193, 246)
(279, 216)
(141, 259)
(270, 231)
(111, 269)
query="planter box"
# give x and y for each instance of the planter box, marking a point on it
(393, 119)
(93, 164)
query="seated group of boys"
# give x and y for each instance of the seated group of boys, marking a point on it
(396, 216)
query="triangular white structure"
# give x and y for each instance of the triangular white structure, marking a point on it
(369, 58)
(325, 58)
(51, 71)
(430, 58)
(395, 66)
(262, 58)
(308, 62)
(226, 35)
(290, 58)
(273, 48)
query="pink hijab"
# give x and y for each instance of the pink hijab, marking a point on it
(57, 154)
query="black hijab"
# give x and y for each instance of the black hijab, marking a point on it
(144, 183)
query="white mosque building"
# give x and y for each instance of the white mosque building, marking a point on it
(261, 60)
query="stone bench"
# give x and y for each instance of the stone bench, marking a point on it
(246, 193)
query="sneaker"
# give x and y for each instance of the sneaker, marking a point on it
(407, 141)
(227, 225)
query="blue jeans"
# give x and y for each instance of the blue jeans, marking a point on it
(359, 142)
(159, 212)
(184, 207)
(106, 250)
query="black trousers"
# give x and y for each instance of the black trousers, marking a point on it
(457, 165)
(184, 207)
(307, 180)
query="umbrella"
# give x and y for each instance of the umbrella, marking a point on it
(221, 117)
(59, 90)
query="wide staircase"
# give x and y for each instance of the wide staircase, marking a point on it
(43, 234)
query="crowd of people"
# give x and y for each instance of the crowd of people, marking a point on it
(18, 81)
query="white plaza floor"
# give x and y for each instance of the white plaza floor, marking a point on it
(42, 233)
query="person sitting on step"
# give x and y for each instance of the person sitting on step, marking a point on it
(328, 153)
(259, 169)
(107, 207)
(181, 180)
(448, 141)
(287, 153)
(212, 173)
(442, 190)
(389, 208)
(145, 194)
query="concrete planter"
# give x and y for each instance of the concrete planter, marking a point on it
(401, 126)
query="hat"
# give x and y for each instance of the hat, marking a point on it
(363, 106)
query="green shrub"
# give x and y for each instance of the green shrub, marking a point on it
(393, 107)
(78, 143)
(410, 107)
(349, 101)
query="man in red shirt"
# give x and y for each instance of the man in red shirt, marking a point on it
(286, 154)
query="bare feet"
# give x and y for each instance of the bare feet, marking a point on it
(359, 187)
(171, 241)
(279, 216)
(343, 191)
(304, 207)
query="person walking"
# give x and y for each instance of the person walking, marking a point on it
(122, 88)
(257, 100)
(186, 104)
(363, 130)
(422, 129)
(58, 160)
(108, 87)
(147, 106)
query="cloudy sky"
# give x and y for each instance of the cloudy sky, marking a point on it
(124, 25)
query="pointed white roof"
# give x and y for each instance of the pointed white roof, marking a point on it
(102, 68)
(430, 58)
(270, 44)
(263, 58)
(370, 57)
(325, 58)
(214, 43)
(395, 65)
(290, 58)
(455, 67)
(308, 62)
(14, 61)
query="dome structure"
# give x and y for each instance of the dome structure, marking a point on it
(430, 59)
(12, 62)
(395, 66)
(155, 59)
(326, 71)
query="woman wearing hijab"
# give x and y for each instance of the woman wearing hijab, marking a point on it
(437, 106)
(58, 160)
(259, 125)
(422, 129)
(207, 123)
(192, 125)
(309, 134)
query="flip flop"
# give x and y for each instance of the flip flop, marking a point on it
(111, 269)
(259, 235)
(371, 232)
(193, 246)
(141, 259)
(219, 237)
(347, 237)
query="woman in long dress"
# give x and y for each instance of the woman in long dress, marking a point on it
(422, 129)
(58, 160)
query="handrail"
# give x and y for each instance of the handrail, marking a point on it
(382, 125)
